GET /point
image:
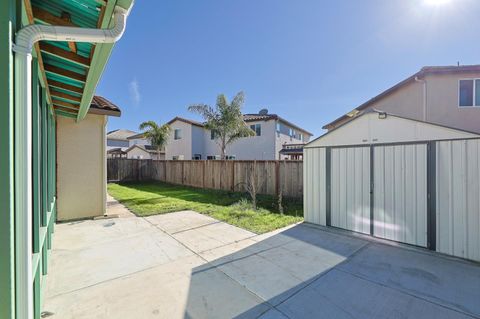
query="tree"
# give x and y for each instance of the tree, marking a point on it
(156, 134)
(225, 120)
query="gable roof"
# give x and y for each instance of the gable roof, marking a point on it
(398, 137)
(246, 118)
(145, 148)
(268, 117)
(120, 134)
(426, 70)
(181, 119)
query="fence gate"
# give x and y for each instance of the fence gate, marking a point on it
(350, 188)
(400, 193)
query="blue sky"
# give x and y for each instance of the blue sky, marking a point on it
(309, 61)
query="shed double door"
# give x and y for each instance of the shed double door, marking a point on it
(381, 191)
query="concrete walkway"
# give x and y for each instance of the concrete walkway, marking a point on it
(187, 265)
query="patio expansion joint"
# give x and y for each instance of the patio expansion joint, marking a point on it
(212, 266)
(196, 227)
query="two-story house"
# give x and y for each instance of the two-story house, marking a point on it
(443, 95)
(191, 140)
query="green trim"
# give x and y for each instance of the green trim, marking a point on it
(65, 114)
(8, 22)
(99, 59)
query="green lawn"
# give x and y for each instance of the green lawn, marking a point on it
(146, 199)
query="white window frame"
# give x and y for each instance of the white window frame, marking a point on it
(474, 93)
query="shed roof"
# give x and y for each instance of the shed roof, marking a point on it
(377, 127)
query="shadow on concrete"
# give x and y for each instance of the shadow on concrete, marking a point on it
(310, 272)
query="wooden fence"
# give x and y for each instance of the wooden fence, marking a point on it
(272, 177)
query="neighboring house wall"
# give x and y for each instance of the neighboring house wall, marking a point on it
(256, 147)
(81, 167)
(139, 153)
(197, 140)
(182, 146)
(441, 102)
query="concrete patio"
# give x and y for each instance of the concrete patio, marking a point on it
(187, 265)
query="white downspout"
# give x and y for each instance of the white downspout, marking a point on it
(424, 97)
(25, 40)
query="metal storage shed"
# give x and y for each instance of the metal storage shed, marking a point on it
(398, 179)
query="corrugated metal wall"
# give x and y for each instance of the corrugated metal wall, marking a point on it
(400, 193)
(314, 185)
(350, 188)
(458, 198)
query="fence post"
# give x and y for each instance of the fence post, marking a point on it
(277, 178)
(233, 176)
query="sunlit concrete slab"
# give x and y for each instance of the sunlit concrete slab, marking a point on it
(341, 295)
(180, 221)
(158, 292)
(76, 268)
(196, 267)
(440, 279)
(211, 236)
(87, 233)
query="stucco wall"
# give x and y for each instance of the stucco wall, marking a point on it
(181, 146)
(138, 153)
(442, 102)
(81, 167)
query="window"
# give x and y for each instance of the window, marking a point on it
(213, 157)
(278, 126)
(197, 157)
(177, 157)
(212, 135)
(177, 134)
(469, 93)
(257, 128)
(231, 157)
(300, 137)
(290, 132)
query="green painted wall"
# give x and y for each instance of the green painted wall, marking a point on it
(8, 9)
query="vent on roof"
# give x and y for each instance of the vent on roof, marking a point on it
(263, 112)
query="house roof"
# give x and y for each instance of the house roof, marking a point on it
(139, 135)
(116, 151)
(268, 117)
(427, 70)
(102, 106)
(246, 118)
(181, 119)
(71, 71)
(146, 148)
(120, 134)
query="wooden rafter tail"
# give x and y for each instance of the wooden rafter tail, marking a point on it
(65, 73)
(64, 54)
(68, 87)
(64, 95)
(65, 104)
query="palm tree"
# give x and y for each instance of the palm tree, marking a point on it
(156, 134)
(225, 120)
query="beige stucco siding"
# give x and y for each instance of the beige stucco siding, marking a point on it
(81, 167)
(441, 102)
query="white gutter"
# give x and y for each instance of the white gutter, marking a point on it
(424, 97)
(25, 40)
